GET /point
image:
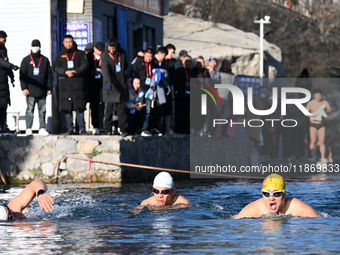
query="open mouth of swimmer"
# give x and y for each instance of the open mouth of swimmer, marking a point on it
(272, 206)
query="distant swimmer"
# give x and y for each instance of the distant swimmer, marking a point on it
(163, 194)
(274, 201)
(319, 109)
(14, 209)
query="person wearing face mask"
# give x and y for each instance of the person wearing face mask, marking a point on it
(36, 84)
(5, 71)
(71, 66)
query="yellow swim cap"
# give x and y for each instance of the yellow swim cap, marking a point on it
(273, 182)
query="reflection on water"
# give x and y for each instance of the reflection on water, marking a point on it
(95, 219)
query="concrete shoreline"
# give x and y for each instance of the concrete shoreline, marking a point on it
(24, 158)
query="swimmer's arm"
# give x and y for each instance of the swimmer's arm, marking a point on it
(301, 209)
(328, 107)
(137, 209)
(182, 200)
(308, 107)
(249, 211)
(147, 201)
(20, 202)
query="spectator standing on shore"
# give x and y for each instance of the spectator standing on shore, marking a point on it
(115, 91)
(95, 85)
(134, 106)
(155, 106)
(303, 81)
(212, 69)
(71, 65)
(169, 64)
(181, 55)
(226, 112)
(131, 68)
(202, 74)
(143, 70)
(5, 70)
(182, 96)
(36, 84)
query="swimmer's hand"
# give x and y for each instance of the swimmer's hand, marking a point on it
(136, 209)
(317, 115)
(46, 202)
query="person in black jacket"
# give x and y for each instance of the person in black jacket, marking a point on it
(5, 70)
(182, 96)
(169, 63)
(115, 90)
(36, 83)
(94, 86)
(143, 70)
(71, 65)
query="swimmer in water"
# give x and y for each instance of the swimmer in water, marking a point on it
(275, 201)
(14, 209)
(163, 195)
(319, 109)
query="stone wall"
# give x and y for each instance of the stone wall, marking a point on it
(26, 158)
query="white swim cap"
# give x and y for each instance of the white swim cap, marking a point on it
(3, 213)
(163, 180)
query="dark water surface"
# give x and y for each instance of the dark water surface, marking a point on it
(95, 219)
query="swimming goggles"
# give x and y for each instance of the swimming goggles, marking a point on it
(164, 192)
(275, 193)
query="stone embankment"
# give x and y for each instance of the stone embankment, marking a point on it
(25, 158)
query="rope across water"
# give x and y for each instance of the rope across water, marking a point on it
(63, 159)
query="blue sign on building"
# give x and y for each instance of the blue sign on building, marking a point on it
(244, 82)
(80, 32)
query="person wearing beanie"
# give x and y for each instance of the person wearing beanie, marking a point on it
(274, 201)
(164, 192)
(94, 86)
(89, 48)
(71, 65)
(115, 88)
(14, 209)
(5, 71)
(36, 84)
